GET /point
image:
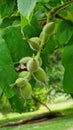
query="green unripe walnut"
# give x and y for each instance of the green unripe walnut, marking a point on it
(33, 65)
(40, 75)
(24, 60)
(26, 91)
(25, 74)
(20, 82)
(34, 43)
(43, 36)
(40, 61)
(49, 28)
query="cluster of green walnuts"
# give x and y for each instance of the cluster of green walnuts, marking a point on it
(34, 63)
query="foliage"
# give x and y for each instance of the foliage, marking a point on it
(50, 21)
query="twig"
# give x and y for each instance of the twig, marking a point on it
(41, 103)
(54, 11)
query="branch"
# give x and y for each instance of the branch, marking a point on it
(41, 102)
(62, 7)
(56, 10)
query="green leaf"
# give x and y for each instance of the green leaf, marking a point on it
(67, 57)
(7, 72)
(25, 8)
(43, 1)
(6, 7)
(45, 58)
(17, 46)
(1, 92)
(55, 3)
(14, 39)
(17, 103)
(64, 32)
(67, 62)
(33, 29)
(50, 46)
(69, 15)
(24, 22)
(70, 8)
(68, 79)
(9, 21)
